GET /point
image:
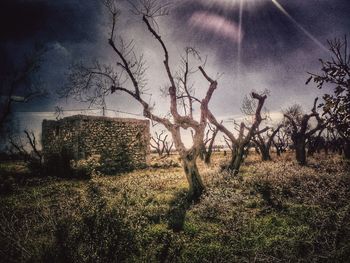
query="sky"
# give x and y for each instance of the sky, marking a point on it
(248, 45)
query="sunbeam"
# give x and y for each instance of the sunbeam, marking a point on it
(307, 33)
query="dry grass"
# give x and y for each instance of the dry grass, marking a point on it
(274, 211)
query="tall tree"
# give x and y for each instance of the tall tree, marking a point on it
(27, 150)
(264, 142)
(95, 82)
(300, 128)
(246, 133)
(281, 141)
(316, 143)
(161, 144)
(335, 72)
(157, 142)
(208, 150)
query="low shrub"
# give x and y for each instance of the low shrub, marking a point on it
(97, 234)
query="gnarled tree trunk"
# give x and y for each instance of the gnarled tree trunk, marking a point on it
(236, 159)
(300, 151)
(265, 154)
(202, 152)
(265, 144)
(196, 186)
(278, 150)
(301, 132)
(243, 139)
(210, 148)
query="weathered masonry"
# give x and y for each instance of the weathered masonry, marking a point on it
(122, 144)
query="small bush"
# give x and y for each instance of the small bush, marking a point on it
(85, 168)
(98, 234)
(268, 193)
(7, 184)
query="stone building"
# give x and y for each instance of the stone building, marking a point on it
(121, 144)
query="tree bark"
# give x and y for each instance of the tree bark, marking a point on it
(236, 159)
(301, 132)
(208, 156)
(278, 150)
(265, 154)
(210, 148)
(347, 149)
(202, 152)
(300, 152)
(263, 149)
(196, 186)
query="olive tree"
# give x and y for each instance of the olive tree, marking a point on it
(245, 132)
(211, 140)
(92, 83)
(281, 141)
(265, 141)
(208, 144)
(335, 73)
(161, 144)
(300, 128)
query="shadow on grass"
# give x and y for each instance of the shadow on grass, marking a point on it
(177, 212)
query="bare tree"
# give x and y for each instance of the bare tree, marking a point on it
(157, 143)
(300, 130)
(281, 141)
(228, 143)
(58, 112)
(18, 85)
(316, 143)
(208, 150)
(17, 147)
(185, 90)
(168, 147)
(28, 154)
(161, 144)
(336, 73)
(334, 142)
(33, 145)
(245, 134)
(264, 142)
(91, 83)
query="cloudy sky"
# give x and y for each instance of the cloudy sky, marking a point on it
(249, 45)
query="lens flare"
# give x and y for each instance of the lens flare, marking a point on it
(219, 25)
(307, 33)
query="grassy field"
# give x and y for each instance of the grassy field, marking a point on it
(274, 211)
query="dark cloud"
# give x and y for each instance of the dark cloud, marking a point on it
(24, 23)
(20, 20)
(276, 54)
(48, 20)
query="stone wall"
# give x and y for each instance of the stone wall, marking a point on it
(122, 144)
